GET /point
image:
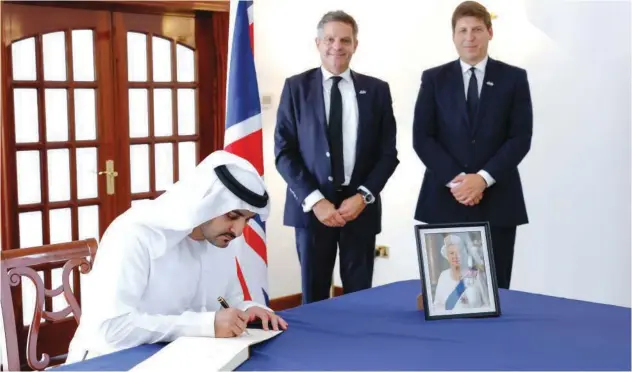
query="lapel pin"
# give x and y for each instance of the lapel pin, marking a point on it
(363, 92)
(491, 84)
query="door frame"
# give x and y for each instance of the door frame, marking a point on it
(148, 7)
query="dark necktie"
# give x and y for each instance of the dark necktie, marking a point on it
(472, 97)
(335, 132)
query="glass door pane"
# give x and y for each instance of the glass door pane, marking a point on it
(56, 128)
(160, 97)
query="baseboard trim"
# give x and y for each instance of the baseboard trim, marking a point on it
(294, 300)
(338, 291)
(285, 302)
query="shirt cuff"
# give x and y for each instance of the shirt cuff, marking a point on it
(488, 178)
(248, 304)
(312, 199)
(452, 184)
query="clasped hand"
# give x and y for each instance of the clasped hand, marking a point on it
(349, 210)
(468, 189)
(232, 322)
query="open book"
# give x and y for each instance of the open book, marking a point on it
(205, 353)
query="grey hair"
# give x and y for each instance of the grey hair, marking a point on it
(337, 16)
(458, 242)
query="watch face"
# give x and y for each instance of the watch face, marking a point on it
(368, 198)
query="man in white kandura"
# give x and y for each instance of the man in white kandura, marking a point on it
(459, 286)
(160, 267)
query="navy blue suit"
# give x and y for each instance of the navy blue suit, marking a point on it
(301, 151)
(496, 141)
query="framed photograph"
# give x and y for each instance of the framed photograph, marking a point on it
(457, 270)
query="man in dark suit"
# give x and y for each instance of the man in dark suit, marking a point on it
(472, 127)
(335, 148)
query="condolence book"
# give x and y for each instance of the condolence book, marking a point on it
(205, 353)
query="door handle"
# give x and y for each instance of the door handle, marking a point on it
(110, 173)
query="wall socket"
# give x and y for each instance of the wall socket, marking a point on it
(381, 251)
(266, 101)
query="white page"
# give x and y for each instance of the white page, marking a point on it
(205, 353)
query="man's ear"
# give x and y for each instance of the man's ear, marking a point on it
(196, 233)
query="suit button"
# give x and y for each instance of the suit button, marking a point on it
(330, 178)
(473, 141)
(467, 165)
(327, 153)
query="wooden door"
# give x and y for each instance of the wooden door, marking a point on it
(101, 110)
(157, 94)
(59, 104)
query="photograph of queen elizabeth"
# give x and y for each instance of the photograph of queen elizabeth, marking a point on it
(457, 271)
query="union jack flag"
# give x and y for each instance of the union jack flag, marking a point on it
(244, 137)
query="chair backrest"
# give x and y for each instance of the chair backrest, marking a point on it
(53, 330)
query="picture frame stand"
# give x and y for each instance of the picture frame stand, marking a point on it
(420, 302)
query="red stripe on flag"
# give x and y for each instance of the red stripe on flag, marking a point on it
(256, 243)
(249, 148)
(252, 37)
(242, 282)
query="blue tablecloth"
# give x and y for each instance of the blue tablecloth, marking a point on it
(381, 329)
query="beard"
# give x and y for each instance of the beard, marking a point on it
(222, 240)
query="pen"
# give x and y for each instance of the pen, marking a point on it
(224, 304)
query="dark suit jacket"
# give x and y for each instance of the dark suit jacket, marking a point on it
(301, 145)
(497, 141)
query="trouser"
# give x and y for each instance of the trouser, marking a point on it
(317, 247)
(503, 241)
(317, 255)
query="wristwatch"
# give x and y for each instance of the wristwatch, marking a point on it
(367, 196)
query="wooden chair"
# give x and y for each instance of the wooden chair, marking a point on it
(53, 330)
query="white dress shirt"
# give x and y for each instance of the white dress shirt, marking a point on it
(479, 70)
(350, 119)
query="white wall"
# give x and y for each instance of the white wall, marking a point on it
(577, 175)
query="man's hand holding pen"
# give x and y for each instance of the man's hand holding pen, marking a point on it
(230, 322)
(233, 322)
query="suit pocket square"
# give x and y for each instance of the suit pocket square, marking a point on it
(491, 84)
(363, 92)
